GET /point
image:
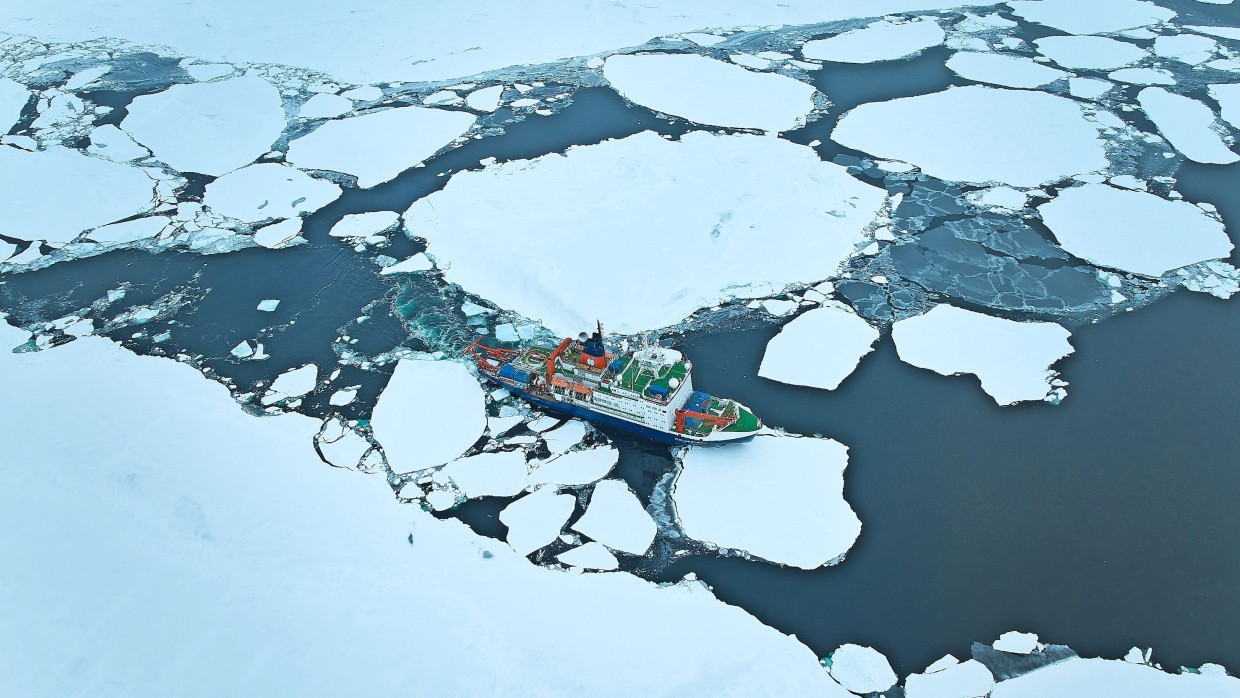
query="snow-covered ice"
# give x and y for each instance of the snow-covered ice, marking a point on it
(429, 413)
(565, 437)
(1089, 52)
(1088, 88)
(1012, 359)
(268, 305)
(1005, 198)
(979, 134)
(110, 142)
(711, 92)
(325, 106)
(280, 235)
(1228, 98)
(1103, 17)
(486, 99)
(342, 397)
(575, 467)
(1081, 678)
(360, 225)
(342, 446)
(1187, 124)
(266, 191)
(1014, 642)
(1133, 230)
(296, 382)
(416, 263)
(377, 146)
(129, 231)
(211, 127)
(13, 98)
(880, 41)
(1002, 69)
(1186, 48)
(615, 518)
(1142, 76)
(968, 679)
(861, 669)
(500, 474)
(536, 519)
(819, 348)
(591, 556)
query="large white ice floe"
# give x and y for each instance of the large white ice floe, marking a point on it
(292, 576)
(210, 127)
(575, 467)
(1002, 69)
(377, 146)
(711, 92)
(1133, 230)
(979, 134)
(1078, 678)
(968, 679)
(861, 669)
(1103, 17)
(500, 474)
(754, 214)
(536, 519)
(1187, 124)
(880, 41)
(778, 498)
(268, 190)
(429, 413)
(1089, 52)
(1012, 359)
(819, 348)
(57, 193)
(615, 518)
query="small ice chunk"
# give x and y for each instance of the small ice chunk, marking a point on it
(418, 262)
(1088, 88)
(243, 350)
(1127, 182)
(591, 556)
(268, 305)
(1220, 32)
(575, 468)
(429, 413)
(536, 519)
(505, 332)
(835, 336)
(970, 679)
(1089, 52)
(750, 61)
(325, 106)
(880, 41)
(343, 397)
(296, 382)
(486, 99)
(1014, 642)
(129, 231)
(861, 670)
(1001, 69)
(1187, 124)
(500, 474)
(779, 308)
(617, 519)
(543, 423)
(358, 225)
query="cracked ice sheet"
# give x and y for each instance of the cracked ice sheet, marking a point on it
(1001, 69)
(536, 519)
(499, 474)
(979, 134)
(273, 561)
(1103, 17)
(429, 413)
(1133, 230)
(839, 338)
(1078, 677)
(13, 98)
(747, 209)
(575, 467)
(880, 41)
(615, 518)
(57, 193)
(377, 146)
(779, 498)
(711, 92)
(211, 128)
(1187, 124)
(1012, 359)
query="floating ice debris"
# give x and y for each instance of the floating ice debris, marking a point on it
(279, 235)
(505, 332)
(543, 423)
(575, 468)
(861, 670)
(57, 193)
(711, 92)
(525, 102)
(429, 413)
(211, 127)
(343, 397)
(792, 513)
(296, 382)
(416, 263)
(969, 679)
(835, 338)
(591, 556)
(1142, 76)
(379, 145)
(111, 143)
(268, 305)
(1104, 16)
(13, 98)
(500, 474)
(1089, 52)
(979, 134)
(1187, 124)
(325, 106)
(1014, 642)
(1012, 359)
(1228, 98)
(268, 191)
(1133, 230)
(748, 235)
(243, 350)
(1112, 677)
(129, 231)
(616, 519)
(565, 437)
(486, 99)
(536, 519)
(1002, 69)
(1185, 48)
(779, 308)
(880, 41)
(340, 445)
(1088, 88)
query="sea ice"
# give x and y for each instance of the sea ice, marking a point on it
(565, 437)
(1103, 17)
(342, 446)
(1002, 69)
(360, 225)
(486, 99)
(1012, 359)
(13, 98)
(210, 127)
(796, 222)
(268, 305)
(1220, 32)
(1112, 677)
(880, 41)
(268, 190)
(416, 263)
(500, 474)
(778, 498)
(1133, 230)
(325, 106)
(1142, 76)
(379, 145)
(429, 413)
(442, 98)
(129, 231)
(616, 519)
(575, 467)
(711, 92)
(591, 556)
(1089, 52)
(979, 134)
(1005, 198)
(536, 519)
(343, 397)
(279, 235)
(819, 348)
(1186, 48)
(750, 61)
(1088, 88)
(1014, 642)
(861, 670)
(1187, 124)
(110, 142)
(1228, 98)
(969, 679)
(57, 193)
(296, 382)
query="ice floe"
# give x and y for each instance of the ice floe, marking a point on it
(536, 519)
(500, 474)
(1089, 52)
(13, 98)
(340, 445)
(1014, 642)
(325, 106)
(416, 263)
(615, 518)
(574, 467)
(130, 231)
(1133, 230)
(820, 348)
(881, 41)
(968, 679)
(711, 92)
(591, 556)
(1002, 69)
(1012, 359)
(361, 225)
(429, 413)
(748, 236)
(861, 670)
(1113, 677)
(1142, 76)
(1088, 88)
(1228, 98)
(295, 382)
(268, 305)
(486, 99)
(1103, 17)
(212, 127)
(1187, 124)
(266, 191)
(110, 142)
(279, 235)
(979, 134)
(1185, 48)
(377, 146)
(778, 498)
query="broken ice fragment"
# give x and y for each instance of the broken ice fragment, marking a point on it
(325, 106)
(536, 519)
(342, 397)
(266, 191)
(268, 305)
(1089, 52)
(296, 382)
(1104, 16)
(833, 335)
(880, 41)
(416, 263)
(861, 670)
(617, 519)
(1001, 69)
(279, 235)
(574, 468)
(243, 350)
(1187, 124)
(499, 474)
(429, 413)
(969, 679)
(13, 98)
(1014, 642)
(591, 556)
(486, 99)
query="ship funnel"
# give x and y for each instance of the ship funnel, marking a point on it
(582, 337)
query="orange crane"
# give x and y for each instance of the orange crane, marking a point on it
(716, 420)
(555, 355)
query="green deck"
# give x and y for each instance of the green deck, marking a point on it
(633, 377)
